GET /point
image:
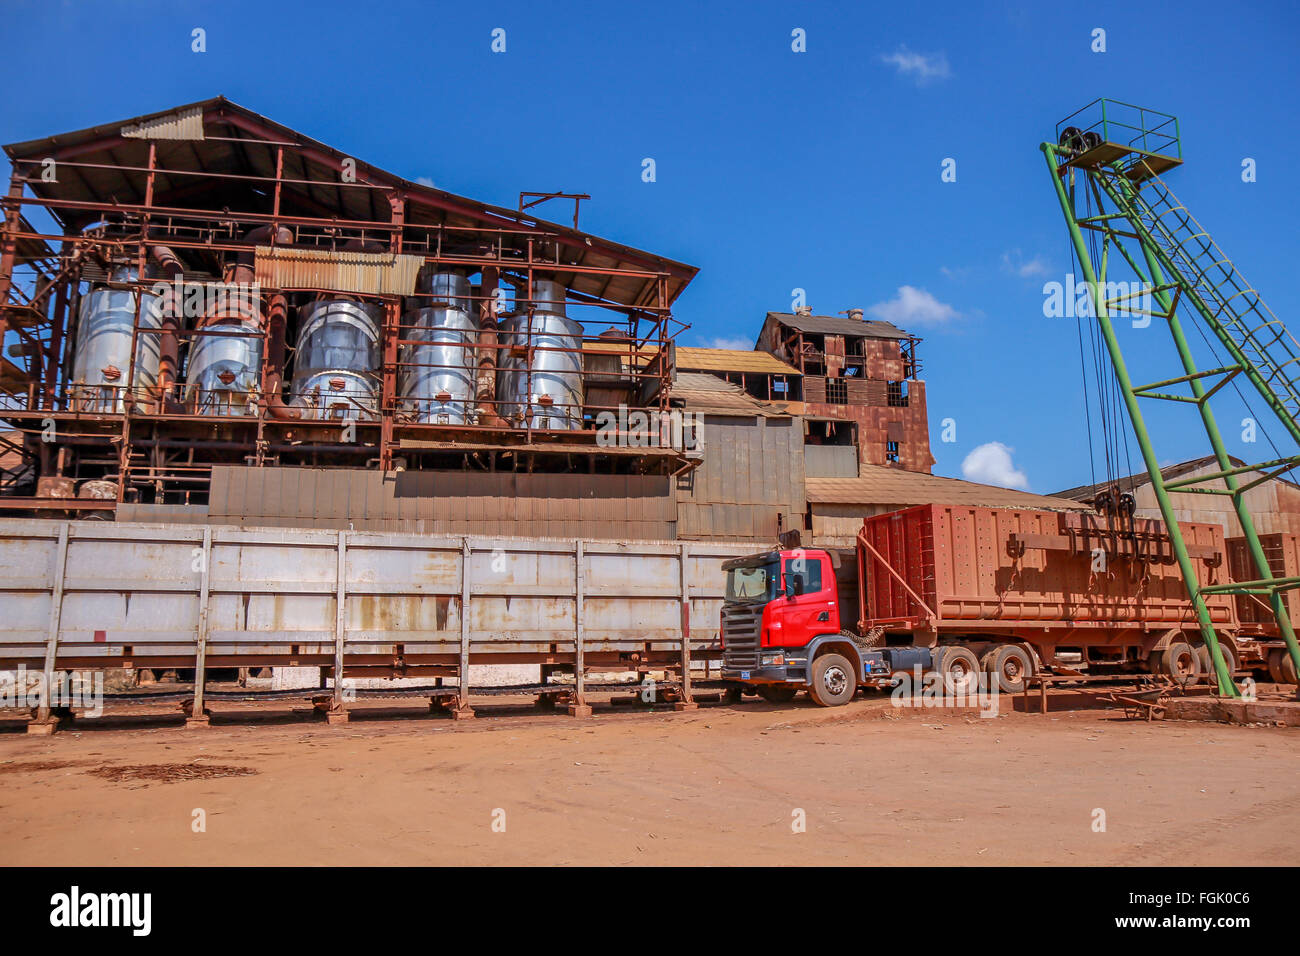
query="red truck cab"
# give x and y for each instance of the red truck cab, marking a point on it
(783, 611)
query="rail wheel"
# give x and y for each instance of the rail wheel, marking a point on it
(1180, 662)
(960, 670)
(777, 693)
(1009, 665)
(1207, 663)
(833, 681)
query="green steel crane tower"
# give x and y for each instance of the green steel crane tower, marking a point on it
(1105, 166)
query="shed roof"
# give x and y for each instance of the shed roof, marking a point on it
(839, 325)
(882, 485)
(695, 359)
(196, 141)
(707, 394)
(1129, 483)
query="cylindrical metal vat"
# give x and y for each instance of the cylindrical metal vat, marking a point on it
(224, 368)
(436, 375)
(102, 354)
(337, 357)
(546, 392)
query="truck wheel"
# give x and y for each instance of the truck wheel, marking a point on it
(1280, 666)
(1180, 662)
(833, 681)
(1009, 665)
(960, 669)
(1207, 663)
(777, 693)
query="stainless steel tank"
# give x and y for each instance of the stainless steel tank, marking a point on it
(437, 373)
(549, 394)
(102, 354)
(334, 373)
(223, 373)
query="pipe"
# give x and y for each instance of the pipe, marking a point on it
(277, 314)
(169, 348)
(486, 380)
(244, 270)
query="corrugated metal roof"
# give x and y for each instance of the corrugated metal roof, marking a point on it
(839, 325)
(731, 360)
(707, 394)
(366, 273)
(182, 124)
(696, 359)
(878, 484)
(1130, 483)
(237, 141)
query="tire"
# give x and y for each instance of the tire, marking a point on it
(959, 669)
(777, 693)
(1207, 664)
(1180, 662)
(1008, 666)
(1280, 666)
(833, 681)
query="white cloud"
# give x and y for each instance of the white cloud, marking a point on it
(1015, 263)
(913, 306)
(923, 67)
(424, 181)
(991, 464)
(738, 343)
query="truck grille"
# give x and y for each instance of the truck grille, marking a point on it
(740, 627)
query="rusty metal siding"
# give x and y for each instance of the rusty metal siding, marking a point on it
(132, 593)
(620, 507)
(830, 461)
(751, 483)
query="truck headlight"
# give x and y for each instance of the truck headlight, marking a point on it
(773, 660)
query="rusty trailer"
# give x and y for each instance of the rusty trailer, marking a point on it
(1068, 587)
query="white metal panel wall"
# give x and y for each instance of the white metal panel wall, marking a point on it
(134, 590)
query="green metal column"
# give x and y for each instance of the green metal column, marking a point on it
(1190, 579)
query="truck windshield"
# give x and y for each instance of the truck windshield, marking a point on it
(759, 583)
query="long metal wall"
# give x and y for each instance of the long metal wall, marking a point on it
(88, 594)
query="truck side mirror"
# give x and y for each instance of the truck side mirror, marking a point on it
(789, 586)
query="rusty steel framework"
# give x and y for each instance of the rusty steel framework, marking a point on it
(214, 196)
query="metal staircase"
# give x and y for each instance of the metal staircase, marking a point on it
(1232, 309)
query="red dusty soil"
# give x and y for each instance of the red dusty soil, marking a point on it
(720, 785)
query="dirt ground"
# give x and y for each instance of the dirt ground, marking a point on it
(721, 785)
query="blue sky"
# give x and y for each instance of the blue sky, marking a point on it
(775, 170)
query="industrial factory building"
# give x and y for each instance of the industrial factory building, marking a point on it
(212, 318)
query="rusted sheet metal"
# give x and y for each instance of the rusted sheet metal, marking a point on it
(750, 485)
(132, 593)
(619, 507)
(365, 273)
(963, 567)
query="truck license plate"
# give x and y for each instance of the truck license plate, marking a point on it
(744, 675)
